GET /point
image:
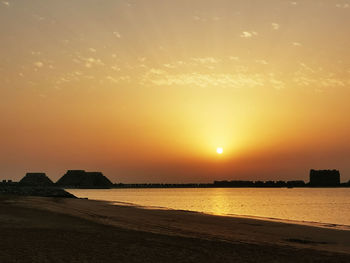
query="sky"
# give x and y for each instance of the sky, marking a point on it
(146, 91)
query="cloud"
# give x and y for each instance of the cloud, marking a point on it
(118, 79)
(198, 18)
(39, 18)
(205, 18)
(306, 77)
(115, 68)
(297, 44)
(261, 61)
(216, 18)
(117, 34)
(275, 26)
(317, 78)
(276, 83)
(206, 60)
(35, 53)
(346, 5)
(203, 80)
(234, 58)
(169, 65)
(342, 5)
(156, 71)
(38, 64)
(89, 62)
(114, 80)
(250, 34)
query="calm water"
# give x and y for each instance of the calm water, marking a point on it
(312, 205)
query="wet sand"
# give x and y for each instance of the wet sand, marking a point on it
(38, 229)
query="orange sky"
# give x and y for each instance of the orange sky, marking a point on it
(145, 91)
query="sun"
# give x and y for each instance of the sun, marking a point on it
(219, 150)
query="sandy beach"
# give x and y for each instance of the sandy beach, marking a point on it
(38, 229)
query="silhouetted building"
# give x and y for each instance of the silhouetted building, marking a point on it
(83, 179)
(324, 177)
(297, 183)
(36, 179)
(269, 184)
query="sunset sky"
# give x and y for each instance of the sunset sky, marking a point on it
(146, 91)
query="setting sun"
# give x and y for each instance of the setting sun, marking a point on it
(219, 150)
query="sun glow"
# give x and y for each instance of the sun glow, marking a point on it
(219, 150)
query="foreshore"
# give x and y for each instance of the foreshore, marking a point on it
(44, 229)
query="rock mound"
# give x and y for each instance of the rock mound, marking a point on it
(42, 191)
(83, 179)
(36, 179)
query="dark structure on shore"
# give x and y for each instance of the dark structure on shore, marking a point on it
(262, 184)
(83, 179)
(36, 179)
(324, 178)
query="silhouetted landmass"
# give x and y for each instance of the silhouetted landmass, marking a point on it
(324, 178)
(259, 184)
(36, 179)
(318, 178)
(227, 184)
(93, 180)
(235, 183)
(6, 181)
(83, 179)
(159, 185)
(33, 184)
(43, 191)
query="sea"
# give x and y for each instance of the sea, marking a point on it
(330, 206)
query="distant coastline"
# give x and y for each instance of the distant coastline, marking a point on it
(231, 184)
(80, 179)
(215, 184)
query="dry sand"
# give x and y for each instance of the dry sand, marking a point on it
(38, 229)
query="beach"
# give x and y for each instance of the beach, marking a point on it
(41, 229)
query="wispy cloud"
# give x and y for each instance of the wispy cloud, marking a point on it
(199, 17)
(118, 79)
(117, 34)
(296, 44)
(38, 64)
(206, 60)
(261, 61)
(248, 34)
(317, 78)
(342, 5)
(275, 26)
(233, 58)
(203, 80)
(89, 62)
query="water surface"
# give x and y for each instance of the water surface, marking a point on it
(323, 205)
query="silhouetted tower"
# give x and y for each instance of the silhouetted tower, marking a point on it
(324, 177)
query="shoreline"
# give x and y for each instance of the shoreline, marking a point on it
(83, 230)
(270, 219)
(194, 224)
